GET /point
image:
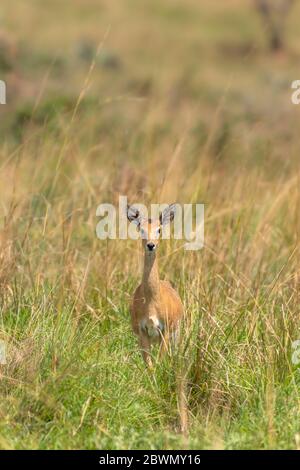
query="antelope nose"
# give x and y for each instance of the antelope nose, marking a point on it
(150, 246)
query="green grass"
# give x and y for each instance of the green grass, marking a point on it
(183, 103)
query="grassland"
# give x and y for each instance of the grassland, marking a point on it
(162, 102)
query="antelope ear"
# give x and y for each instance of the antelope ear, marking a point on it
(167, 216)
(133, 215)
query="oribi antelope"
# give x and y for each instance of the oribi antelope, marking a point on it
(156, 307)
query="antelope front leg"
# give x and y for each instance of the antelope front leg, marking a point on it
(145, 346)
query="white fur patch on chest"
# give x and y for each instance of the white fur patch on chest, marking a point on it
(152, 326)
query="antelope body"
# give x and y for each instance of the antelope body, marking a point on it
(156, 308)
